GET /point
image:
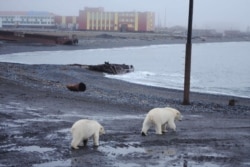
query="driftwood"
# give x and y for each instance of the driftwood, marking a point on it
(112, 68)
(77, 87)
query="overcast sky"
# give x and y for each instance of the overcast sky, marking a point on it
(221, 14)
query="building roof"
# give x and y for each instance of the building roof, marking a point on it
(25, 13)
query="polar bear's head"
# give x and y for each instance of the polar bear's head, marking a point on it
(101, 131)
(178, 116)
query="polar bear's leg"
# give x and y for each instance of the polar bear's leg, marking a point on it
(76, 138)
(75, 142)
(96, 139)
(158, 128)
(164, 128)
(80, 144)
(145, 127)
(172, 125)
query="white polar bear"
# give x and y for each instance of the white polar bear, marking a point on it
(160, 118)
(83, 129)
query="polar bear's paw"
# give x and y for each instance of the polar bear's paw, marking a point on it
(75, 147)
(164, 131)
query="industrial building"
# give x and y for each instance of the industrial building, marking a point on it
(89, 19)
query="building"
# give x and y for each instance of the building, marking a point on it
(89, 19)
(233, 33)
(66, 22)
(27, 19)
(96, 19)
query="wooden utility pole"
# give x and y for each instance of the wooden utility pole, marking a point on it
(188, 56)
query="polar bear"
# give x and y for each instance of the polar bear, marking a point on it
(83, 129)
(160, 118)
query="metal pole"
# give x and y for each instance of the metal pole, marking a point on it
(188, 56)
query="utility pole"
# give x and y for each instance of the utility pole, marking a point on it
(165, 19)
(188, 56)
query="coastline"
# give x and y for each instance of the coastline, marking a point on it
(37, 111)
(94, 41)
(11, 72)
(101, 40)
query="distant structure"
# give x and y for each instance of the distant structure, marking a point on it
(98, 19)
(67, 22)
(29, 19)
(92, 19)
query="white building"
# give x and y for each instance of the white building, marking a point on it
(27, 19)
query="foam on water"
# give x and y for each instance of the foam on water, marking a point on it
(165, 80)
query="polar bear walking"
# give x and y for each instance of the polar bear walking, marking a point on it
(160, 118)
(83, 129)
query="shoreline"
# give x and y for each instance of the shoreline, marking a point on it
(176, 94)
(99, 40)
(104, 43)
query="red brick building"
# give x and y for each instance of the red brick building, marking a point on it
(100, 20)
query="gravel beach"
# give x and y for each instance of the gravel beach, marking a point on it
(37, 111)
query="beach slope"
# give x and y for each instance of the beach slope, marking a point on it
(37, 111)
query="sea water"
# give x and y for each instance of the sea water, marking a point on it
(218, 68)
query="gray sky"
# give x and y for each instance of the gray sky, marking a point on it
(219, 14)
